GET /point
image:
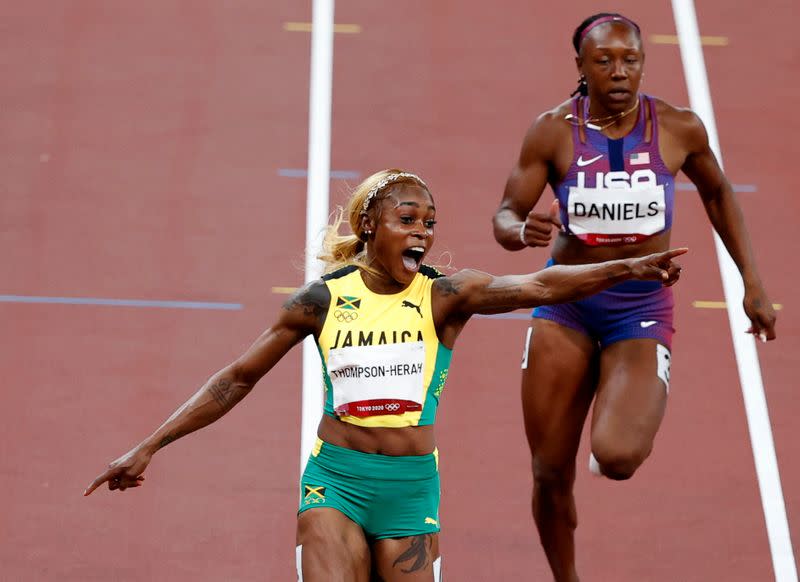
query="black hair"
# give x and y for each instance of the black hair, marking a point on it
(583, 88)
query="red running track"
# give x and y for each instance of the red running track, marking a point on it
(142, 147)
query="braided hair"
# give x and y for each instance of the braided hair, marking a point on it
(580, 33)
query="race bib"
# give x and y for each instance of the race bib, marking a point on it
(377, 380)
(626, 212)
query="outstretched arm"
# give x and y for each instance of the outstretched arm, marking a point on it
(300, 316)
(470, 292)
(726, 216)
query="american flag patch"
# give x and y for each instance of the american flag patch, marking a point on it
(640, 158)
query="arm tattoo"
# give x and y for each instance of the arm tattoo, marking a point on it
(418, 551)
(308, 304)
(225, 394)
(312, 299)
(447, 286)
(168, 439)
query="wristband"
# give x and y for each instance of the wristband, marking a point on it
(522, 235)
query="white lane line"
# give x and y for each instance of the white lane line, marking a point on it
(755, 401)
(319, 166)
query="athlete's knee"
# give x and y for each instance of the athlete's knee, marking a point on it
(552, 488)
(552, 476)
(552, 494)
(620, 463)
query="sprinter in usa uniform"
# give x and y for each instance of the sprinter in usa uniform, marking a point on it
(610, 155)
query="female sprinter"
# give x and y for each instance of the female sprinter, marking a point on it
(610, 155)
(385, 325)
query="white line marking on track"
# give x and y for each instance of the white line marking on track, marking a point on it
(319, 167)
(755, 401)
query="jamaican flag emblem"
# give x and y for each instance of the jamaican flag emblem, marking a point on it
(347, 308)
(313, 494)
(347, 302)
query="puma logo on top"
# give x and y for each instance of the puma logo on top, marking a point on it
(409, 304)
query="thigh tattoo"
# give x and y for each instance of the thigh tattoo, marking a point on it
(418, 554)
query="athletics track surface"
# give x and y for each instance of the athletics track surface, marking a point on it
(147, 153)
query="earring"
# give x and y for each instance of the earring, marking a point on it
(583, 89)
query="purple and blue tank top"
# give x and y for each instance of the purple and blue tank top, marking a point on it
(617, 191)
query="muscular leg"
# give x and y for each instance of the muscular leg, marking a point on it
(557, 390)
(408, 559)
(630, 404)
(334, 548)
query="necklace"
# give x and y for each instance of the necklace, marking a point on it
(593, 122)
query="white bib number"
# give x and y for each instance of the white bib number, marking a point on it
(616, 210)
(375, 380)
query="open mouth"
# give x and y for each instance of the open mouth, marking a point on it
(412, 257)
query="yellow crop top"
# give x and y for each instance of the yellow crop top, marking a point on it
(383, 364)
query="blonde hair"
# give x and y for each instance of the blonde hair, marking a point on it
(350, 249)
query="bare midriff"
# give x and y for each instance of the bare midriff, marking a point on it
(395, 442)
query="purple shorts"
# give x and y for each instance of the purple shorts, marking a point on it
(631, 310)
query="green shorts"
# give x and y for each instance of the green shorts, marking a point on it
(389, 497)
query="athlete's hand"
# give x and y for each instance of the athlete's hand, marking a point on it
(125, 472)
(658, 267)
(759, 309)
(537, 227)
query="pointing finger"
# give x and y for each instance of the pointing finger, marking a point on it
(102, 478)
(672, 253)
